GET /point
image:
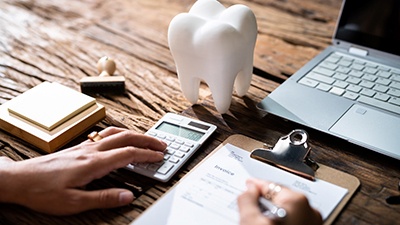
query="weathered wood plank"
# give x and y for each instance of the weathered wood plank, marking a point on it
(62, 40)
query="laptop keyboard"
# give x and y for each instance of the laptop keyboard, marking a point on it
(357, 79)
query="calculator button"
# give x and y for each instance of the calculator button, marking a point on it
(170, 138)
(179, 141)
(167, 166)
(174, 159)
(153, 167)
(142, 165)
(189, 144)
(170, 151)
(179, 154)
(151, 133)
(184, 149)
(130, 166)
(167, 142)
(174, 145)
(161, 136)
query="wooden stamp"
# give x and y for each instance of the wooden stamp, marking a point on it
(106, 82)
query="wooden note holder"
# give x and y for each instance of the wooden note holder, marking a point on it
(61, 130)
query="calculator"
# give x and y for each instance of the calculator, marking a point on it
(183, 136)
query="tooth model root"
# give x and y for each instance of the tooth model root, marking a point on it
(214, 44)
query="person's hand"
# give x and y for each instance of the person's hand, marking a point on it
(298, 210)
(53, 184)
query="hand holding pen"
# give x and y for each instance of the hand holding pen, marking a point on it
(266, 203)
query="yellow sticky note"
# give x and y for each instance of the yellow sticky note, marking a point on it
(48, 105)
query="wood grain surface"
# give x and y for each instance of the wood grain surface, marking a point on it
(61, 41)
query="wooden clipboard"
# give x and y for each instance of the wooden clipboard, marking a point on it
(326, 173)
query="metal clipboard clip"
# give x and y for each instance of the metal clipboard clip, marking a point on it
(290, 153)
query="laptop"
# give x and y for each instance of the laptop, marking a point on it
(351, 89)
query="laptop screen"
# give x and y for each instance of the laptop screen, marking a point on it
(371, 23)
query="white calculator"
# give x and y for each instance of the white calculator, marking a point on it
(183, 136)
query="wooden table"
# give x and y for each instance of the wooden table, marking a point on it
(62, 40)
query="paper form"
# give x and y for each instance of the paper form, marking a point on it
(209, 193)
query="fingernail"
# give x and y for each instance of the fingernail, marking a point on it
(163, 143)
(250, 184)
(126, 197)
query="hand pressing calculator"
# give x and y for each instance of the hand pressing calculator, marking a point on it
(183, 136)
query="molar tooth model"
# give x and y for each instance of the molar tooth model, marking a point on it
(214, 44)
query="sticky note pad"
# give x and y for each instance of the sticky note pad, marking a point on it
(50, 115)
(48, 105)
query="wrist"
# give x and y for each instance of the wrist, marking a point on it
(8, 187)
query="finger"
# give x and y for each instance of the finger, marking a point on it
(6, 162)
(317, 217)
(129, 138)
(104, 162)
(108, 132)
(248, 200)
(111, 131)
(5, 159)
(131, 154)
(266, 191)
(248, 206)
(86, 200)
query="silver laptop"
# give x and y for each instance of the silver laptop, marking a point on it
(352, 89)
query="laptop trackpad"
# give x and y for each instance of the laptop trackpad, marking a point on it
(370, 128)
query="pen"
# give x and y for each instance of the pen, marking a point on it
(270, 210)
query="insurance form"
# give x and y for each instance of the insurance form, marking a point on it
(208, 194)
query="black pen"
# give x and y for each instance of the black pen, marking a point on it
(270, 210)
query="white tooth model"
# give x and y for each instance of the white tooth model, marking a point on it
(214, 44)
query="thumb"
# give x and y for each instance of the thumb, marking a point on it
(247, 201)
(106, 198)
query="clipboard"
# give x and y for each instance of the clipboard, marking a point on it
(326, 173)
(161, 209)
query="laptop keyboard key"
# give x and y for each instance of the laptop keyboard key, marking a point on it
(367, 84)
(357, 66)
(381, 88)
(369, 77)
(395, 84)
(354, 88)
(324, 71)
(343, 69)
(329, 65)
(370, 70)
(384, 74)
(350, 95)
(308, 82)
(336, 91)
(340, 84)
(340, 76)
(394, 92)
(323, 87)
(367, 92)
(395, 101)
(356, 73)
(382, 96)
(321, 78)
(383, 81)
(396, 77)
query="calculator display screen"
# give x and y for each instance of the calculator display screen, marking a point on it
(180, 131)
